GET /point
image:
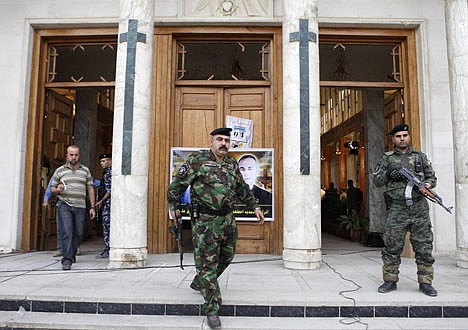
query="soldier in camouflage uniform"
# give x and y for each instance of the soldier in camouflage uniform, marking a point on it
(105, 202)
(216, 184)
(401, 215)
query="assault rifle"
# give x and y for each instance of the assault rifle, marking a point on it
(177, 232)
(430, 194)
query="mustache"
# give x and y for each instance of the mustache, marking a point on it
(220, 148)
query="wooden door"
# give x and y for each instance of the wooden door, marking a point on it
(58, 132)
(393, 115)
(198, 110)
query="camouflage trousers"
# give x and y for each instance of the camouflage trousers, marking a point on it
(214, 245)
(106, 226)
(401, 218)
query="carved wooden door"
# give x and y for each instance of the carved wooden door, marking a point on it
(58, 132)
(199, 110)
(393, 115)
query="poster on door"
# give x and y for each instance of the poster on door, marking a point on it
(242, 131)
(257, 168)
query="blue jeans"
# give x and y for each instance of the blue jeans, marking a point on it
(71, 222)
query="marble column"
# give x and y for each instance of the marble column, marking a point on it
(456, 16)
(374, 146)
(130, 151)
(301, 136)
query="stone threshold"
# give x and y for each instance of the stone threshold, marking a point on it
(235, 310)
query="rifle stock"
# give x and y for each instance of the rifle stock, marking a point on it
(430, 194)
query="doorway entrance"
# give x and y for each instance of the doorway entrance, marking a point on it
(368, 85)
(81, 116)
(72, 99)
(206, 107)
(216, 72)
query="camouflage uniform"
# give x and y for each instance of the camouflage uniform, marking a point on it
(106, 207)
(215, 186)
(400, 216)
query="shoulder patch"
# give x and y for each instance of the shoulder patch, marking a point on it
(389, 153)
(183, 169)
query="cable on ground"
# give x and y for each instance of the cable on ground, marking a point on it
(355, 318)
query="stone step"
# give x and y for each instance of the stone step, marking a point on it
(32, 320)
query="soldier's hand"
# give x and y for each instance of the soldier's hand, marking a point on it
(260, 216)
(174, 214)
(425, 190)
(395, 174)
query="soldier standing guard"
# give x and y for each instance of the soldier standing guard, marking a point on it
(406, 209)
(216, 183)
(105, 202)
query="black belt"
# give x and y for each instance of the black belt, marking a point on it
(209, 211)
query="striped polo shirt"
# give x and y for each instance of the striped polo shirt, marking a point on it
(75, 183)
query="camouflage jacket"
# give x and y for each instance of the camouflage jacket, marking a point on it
(215, 185)
(413, 160)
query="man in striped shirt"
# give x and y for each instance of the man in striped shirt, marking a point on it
(71, 182)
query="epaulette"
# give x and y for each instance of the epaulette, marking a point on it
(389, 153)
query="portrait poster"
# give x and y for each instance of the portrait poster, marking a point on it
(256, 166)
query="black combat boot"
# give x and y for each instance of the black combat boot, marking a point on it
(387, 286)
(195, 287)
(427, 289)
(213, 321)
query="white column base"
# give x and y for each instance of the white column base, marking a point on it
(302, 258)
(462, 257)
(127, 258)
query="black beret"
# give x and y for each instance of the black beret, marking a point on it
(226, 131)
(105, 155)
(399, 128)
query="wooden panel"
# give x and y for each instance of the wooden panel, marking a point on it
(252, 103)
(58, 131)
(32, 173)
(58, 128)
(159, 239)
(392, 116)
(275, 122)
(251, 238)
(250, 230)
(411, 97)
(200, 108)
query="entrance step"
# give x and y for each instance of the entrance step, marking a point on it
(37, 320)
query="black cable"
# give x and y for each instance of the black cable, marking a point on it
(355, 252)
(14, 254)
(99, 270)
(355, 318)
(25, 272)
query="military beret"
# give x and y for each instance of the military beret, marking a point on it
(226, 131)
(399, 128)
(105, 155)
